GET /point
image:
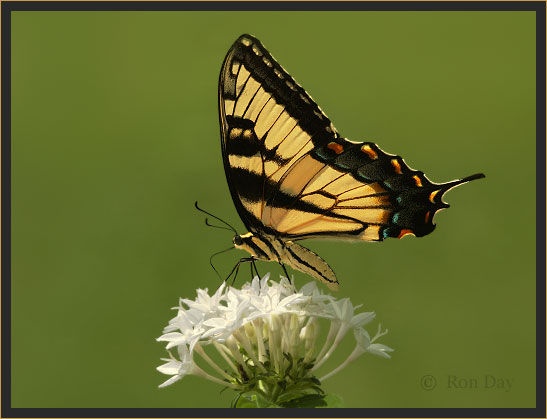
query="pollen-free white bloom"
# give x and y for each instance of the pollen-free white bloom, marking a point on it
(267, 333)
(176, 368)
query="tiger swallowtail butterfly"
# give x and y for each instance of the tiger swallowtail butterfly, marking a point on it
(292, 177)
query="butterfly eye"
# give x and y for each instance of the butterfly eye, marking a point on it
(237, 241)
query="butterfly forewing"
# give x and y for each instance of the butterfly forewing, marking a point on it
(268, 123)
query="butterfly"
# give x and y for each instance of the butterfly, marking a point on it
(293, 177)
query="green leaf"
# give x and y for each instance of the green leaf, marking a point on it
(245, 403)
(311, 380)
(315, 381)
(333, 400)
(309, 366)
(288, 357)
(235, 401)
(309, 400)
(317, 389)
(251, 401)
(262, 402)
(286, 397)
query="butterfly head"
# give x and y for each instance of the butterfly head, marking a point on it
(238, 241)
(242, 241)
(256, 245)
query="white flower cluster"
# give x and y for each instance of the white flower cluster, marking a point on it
(267, 327)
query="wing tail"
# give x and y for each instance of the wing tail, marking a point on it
(449, 185)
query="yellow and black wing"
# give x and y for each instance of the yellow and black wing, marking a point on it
(292, 176)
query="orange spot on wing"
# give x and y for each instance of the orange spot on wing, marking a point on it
(337, 148)
(405, 232)
(396, 166)
(432, 196)
(417, 180)
(427, 215)
(369, 151)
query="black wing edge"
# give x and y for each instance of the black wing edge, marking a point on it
(224, 89)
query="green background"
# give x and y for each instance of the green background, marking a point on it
(115, 135)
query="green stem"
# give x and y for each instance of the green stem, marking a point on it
(275, 393)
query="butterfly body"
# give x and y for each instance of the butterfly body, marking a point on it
(292, 177)
(268, 248)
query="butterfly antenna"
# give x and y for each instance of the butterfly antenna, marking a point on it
(215, 217)
(215, 254)
(212, 225)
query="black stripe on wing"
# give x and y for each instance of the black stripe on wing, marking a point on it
(243, 178)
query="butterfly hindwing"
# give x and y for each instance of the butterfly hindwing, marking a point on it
(353, 191)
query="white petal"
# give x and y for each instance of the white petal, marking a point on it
(309, 289)
(362, 319)
(192, 342)
(219, 292)
(293, 299)
(255, 286)
(194, 316)
(215, 322)
(169, 337)
(379, 349)
(172, 380)
(171, 368)
(362, 337)
(337, 307)
(175, 343)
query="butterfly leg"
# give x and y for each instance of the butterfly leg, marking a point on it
(236, 272)
(252, 271)
(253, 265)
(286, 273)
(235, 269)
(232, 271)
